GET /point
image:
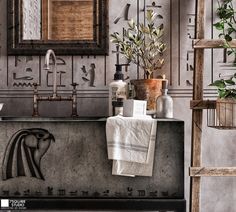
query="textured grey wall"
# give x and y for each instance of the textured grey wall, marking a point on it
(218, 147)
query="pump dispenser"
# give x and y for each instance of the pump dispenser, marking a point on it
(119, 75)
(117, 88)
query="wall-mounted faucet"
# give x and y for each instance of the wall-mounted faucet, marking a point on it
(55, 96)
(51, 53)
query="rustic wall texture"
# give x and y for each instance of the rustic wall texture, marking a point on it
(18, 73)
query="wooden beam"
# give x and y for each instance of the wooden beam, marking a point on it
(202, 104)
(198, 86)
(207, 43)
(45, 22)
(212, 171)
(195, 183)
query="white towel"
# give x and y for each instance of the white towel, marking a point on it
(131, 145)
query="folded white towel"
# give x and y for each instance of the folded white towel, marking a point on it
(131, 145)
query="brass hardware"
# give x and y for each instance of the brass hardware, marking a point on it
(54, 97)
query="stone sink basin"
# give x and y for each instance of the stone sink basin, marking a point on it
(74, 165)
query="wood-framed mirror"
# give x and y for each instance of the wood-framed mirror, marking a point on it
(70, 27)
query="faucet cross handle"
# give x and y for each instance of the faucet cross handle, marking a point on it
(74, 84)
(35, 87)
(35, 84)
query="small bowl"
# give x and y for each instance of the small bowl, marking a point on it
(1, 106)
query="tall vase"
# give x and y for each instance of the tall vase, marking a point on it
(148, 89)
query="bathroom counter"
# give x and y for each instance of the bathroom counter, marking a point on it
(50, 119)
(63, 119)
(62, 163)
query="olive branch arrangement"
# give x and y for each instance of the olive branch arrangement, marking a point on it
(143, 44)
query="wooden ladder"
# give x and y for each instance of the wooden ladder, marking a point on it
(197, 105)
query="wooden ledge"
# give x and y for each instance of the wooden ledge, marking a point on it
(212, 171)
(202, 104)
(209, 43)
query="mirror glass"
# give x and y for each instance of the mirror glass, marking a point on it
(59, 23)
(58, 19)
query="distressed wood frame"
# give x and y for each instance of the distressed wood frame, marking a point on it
(17, 46)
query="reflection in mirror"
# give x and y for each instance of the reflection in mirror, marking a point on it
(31, 19)
(61, 20)
(68, 20)
(70, 27)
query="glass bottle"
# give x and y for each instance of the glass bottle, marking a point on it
(117, 107)
(164, 103)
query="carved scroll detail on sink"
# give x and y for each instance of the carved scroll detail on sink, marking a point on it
(24, 152)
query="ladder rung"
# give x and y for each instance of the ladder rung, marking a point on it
(209, 43)
(202, 104)
(212, 171)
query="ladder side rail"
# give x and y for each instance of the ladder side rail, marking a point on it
(197, 114)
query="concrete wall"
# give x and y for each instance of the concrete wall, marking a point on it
(218, 147)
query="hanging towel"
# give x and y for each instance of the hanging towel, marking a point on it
(131, 145)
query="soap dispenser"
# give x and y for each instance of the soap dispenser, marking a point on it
(117, 89)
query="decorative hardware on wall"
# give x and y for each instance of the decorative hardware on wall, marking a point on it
(24, 152)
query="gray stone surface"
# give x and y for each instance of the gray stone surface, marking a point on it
(77, 161)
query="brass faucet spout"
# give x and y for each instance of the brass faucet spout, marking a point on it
(51, 53)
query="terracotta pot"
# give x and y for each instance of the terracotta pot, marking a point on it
(226, 112)
(147, 89)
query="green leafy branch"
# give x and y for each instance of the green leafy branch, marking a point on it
(226, 87)
(227, 24)
(142, 44)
